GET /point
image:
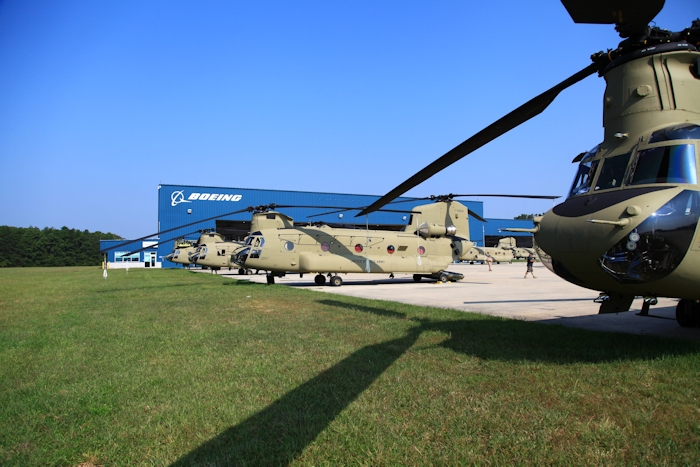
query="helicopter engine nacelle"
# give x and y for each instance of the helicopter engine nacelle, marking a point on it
(427, 230)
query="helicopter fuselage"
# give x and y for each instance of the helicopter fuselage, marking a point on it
(182, 253)
(216, 254)
(333, 250)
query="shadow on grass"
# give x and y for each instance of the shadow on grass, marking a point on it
(244, 283)
(132, 287)
(279, 433)
(495, 338)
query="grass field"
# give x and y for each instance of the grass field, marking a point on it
(169, 367)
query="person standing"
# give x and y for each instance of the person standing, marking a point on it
(489, 260)
(530, 262)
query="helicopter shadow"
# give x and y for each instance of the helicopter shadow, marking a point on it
(279, 433)
(130, 288)
(539, 300)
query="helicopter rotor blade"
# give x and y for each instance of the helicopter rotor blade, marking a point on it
(476, 216)
(218, 216)
(518, 116)
(128, 253)
(402, 211)
(128, 242)
(506, 196)
(635, 15)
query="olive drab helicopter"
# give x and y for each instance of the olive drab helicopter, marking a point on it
(629, 224)
(425, 247)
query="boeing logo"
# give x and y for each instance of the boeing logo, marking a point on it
(179, 197)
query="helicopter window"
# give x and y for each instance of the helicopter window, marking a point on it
(421, 250)
(612, 172)
(390, 249)
(685, 131)
(358, 248)
(586, 173)
(289, 246)
(584, 177)
(665, 164)
(325, 246)
(255, 253)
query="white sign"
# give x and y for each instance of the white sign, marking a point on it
(178, 197)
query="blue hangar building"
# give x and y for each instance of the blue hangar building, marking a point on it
(184, 211)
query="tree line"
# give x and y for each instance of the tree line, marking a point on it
(527, 216)
(31, 246)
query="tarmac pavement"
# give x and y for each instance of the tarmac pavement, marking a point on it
(502, 292)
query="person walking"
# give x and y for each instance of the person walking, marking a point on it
(489, 260)
(530, 262)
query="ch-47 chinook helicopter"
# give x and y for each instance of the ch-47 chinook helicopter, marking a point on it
(629, 225)
(214, 251)
(426, 246)
(182, 251)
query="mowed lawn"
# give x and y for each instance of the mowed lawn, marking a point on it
(169, 367)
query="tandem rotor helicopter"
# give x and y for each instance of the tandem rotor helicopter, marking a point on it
(425, 247)
(629, 226)
(436, 236)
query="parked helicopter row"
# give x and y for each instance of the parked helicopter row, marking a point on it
(437, 235)
(505, 252)
(425, 247)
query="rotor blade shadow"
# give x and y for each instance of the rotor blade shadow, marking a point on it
(539, 300)
(279, 433)
(502, 339)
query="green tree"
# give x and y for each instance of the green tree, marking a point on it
(24, 247)
(526, 216)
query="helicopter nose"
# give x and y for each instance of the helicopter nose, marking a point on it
(658, 245)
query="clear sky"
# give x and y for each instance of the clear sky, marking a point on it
(102, 101)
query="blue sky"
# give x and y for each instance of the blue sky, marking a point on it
(102, 101)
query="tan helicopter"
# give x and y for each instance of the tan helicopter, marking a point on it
(509, 243)
(478, 253)
(629, 225)
(214, 252)
(182, 251)
(426, 246)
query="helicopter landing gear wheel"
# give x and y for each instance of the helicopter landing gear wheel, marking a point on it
(417, 278)
(320, 279)
(241, 272)
(336, 281)
(248, 272)
(270, 279)
(688, 313)
(443, 277)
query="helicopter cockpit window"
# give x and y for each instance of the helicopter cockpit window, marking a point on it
(665, 164)
(612, 172)
(586, 172)
(685, 131)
